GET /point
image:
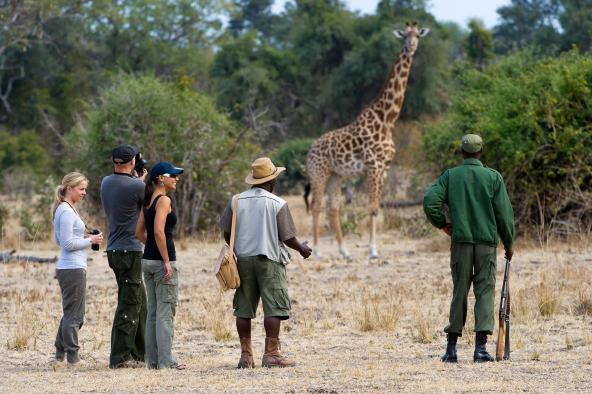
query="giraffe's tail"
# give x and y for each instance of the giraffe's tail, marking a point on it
(306, 193)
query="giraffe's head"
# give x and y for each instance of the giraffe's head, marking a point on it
(411, 35)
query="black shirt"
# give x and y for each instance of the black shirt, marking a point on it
(151, 251)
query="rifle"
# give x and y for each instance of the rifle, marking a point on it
(503, 337)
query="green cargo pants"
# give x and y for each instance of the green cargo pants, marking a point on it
(129, 323)
(476, 264)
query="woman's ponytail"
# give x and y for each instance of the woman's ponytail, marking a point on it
(148, 191)
(60, 196)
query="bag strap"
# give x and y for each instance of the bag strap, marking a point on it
(233, 226)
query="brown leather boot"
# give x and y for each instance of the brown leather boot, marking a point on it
(272, 356)
(246, 360)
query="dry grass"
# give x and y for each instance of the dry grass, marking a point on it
(27, 326)
(357, 326)
(425, 331)
(378, 311)
(217, 319)
(548, 298)
(584, 303)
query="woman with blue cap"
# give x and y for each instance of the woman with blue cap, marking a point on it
(155, 230)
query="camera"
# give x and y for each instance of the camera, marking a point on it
(95, 232)
(140, 164)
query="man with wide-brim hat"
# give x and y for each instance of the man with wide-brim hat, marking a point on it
(480, 216)
(264, 227)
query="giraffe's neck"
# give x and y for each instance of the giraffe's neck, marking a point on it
(387, 106)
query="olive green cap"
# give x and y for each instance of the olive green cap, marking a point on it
(471, 143)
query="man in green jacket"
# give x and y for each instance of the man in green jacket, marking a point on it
(479, 210)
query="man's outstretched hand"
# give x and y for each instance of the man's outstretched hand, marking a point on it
(509, 254)
(305, 250)
(448, 229)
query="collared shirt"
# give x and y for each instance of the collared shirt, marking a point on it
(263, 222)
(478, 203)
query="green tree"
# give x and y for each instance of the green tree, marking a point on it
(167, 122)
(528, 23)
(253, 15)
(23, 25)
(535, 117)
(576, 22)
(479, 44)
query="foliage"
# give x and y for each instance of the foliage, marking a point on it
(292, 155)
(322, 64)
(547, 26)
(479, 44)
(535, 117)
(23, 153)
(168, 123)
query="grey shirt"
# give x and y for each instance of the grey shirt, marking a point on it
(122, 196)
(263, 223)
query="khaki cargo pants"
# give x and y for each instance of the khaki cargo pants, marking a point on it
(162, 307)
(261, 278)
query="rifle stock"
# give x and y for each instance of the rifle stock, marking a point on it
(503, 337)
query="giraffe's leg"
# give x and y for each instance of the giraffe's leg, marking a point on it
(375, 186)
(315, 229)
(318, 191)
(333, 202)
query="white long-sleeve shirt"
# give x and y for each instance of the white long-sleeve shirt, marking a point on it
(69, 235)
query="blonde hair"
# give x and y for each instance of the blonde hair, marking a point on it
(71, 179)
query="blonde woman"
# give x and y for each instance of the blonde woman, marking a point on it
(69, 232)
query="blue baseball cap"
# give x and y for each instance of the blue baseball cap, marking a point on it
(163, 168)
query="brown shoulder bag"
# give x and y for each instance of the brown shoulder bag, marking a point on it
(226, 269)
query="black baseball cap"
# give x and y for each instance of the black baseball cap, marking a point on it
(163, 168)
(124, 153)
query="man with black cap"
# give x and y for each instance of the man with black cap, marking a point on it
(480, 215)
(122, 194)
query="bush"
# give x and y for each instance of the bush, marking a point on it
(168, 123)
(292, 155)
(24, 161)
(535, 117)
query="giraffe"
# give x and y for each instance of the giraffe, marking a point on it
(364, 146)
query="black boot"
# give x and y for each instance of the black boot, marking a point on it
(450, 355)
(481, 354)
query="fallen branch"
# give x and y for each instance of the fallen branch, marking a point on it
(9, 255)
(402, 204)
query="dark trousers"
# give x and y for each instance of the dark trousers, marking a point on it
(472, 264)
(73, 286)
(129, 323)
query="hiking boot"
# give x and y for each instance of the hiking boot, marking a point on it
(72, 357)
(450, 355)
(246, 359)
(60, 355)
(131, 363)
(272, 356)
(481, 354)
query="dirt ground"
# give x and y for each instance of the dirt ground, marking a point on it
(359, 325)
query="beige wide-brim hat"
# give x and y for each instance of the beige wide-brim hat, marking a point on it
(263, 170)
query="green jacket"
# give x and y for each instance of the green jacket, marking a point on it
(478, 203)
